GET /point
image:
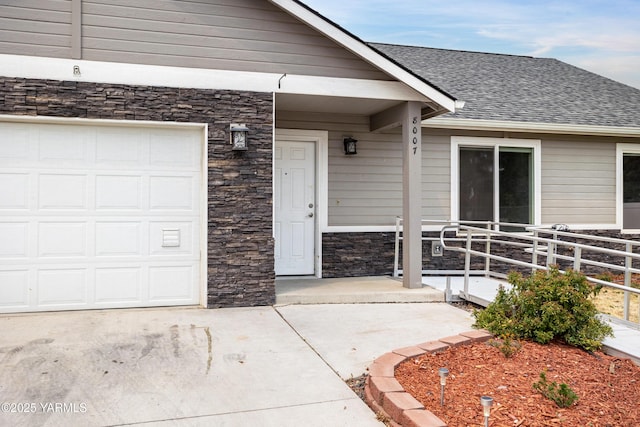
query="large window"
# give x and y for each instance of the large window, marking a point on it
(495, 180)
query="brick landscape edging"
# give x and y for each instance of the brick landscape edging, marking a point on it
(384, 394)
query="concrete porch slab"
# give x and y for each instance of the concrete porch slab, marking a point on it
(352, 290)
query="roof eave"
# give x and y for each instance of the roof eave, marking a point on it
(366, 52)
(529, 127)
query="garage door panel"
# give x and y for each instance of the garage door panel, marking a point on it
(17, 146)
(118, 239)
(118, 285)
(120, 148)
(118, 192)
(172, 193)
(59, 191)
(170, 283)
(167, 150)
(14, 191)
(62, 145)
(99, 216)
(62, 239)
(14, 288)
(62, 287)
(14, 240)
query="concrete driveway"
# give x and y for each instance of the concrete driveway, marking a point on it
(267, 366)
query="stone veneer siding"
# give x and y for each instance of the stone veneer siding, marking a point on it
(240, 243)
(371, 254)
(357, 254)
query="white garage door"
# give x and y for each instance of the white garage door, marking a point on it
(98, 216)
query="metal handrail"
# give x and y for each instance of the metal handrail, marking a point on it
(552, 244)
(432, 222)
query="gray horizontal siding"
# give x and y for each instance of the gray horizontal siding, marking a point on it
(244, 35)
(238, 35)
(578, 179)
(36, 27)
(377, 169)
(366, 189)
(578, 182)
(436, 172)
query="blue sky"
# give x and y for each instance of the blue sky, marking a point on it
(599, 36)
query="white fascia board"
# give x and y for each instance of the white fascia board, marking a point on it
(81, 121)
(585, 227)
(35, 67)
(365, 52)
(529, 127)
(371, 228)
(438, 228)
(349, 88)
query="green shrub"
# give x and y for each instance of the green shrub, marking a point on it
(562, 395)
(545, 306)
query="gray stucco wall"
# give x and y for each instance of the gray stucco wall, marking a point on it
(240, 192)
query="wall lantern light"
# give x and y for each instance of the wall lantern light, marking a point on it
(350, 145)
(444, 373)
(486, 403)
(238, 137)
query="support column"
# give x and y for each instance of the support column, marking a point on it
(412, 196)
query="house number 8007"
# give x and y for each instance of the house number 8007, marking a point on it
(415, 138)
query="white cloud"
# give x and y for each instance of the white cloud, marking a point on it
(623, 69)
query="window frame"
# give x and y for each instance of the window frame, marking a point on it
(496, 143)
(621, 150)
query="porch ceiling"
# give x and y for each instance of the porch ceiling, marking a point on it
(332, 104)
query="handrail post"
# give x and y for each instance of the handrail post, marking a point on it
(397, 248)
(551, 250)
(467, 265)
(534, 253)
(577, 254)
(628, 263)
(487, 259)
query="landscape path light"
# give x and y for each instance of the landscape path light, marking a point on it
(486, 403)
(444, 373)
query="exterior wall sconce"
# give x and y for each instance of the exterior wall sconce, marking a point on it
(238, 136)
(350, 146)
(486, 403)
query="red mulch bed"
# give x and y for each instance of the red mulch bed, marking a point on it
(608, 387)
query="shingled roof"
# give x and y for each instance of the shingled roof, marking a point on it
(521, 88)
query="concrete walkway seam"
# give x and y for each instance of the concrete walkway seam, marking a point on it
(305, 341)
(386, 396)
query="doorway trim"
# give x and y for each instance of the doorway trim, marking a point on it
(621, 150)
(320, 139)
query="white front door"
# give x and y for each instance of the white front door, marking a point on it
(294, 207)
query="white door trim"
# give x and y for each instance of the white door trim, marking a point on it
(621, 150)
(321, 141)
(155, 125)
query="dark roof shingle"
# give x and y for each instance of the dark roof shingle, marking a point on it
(521, 88)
